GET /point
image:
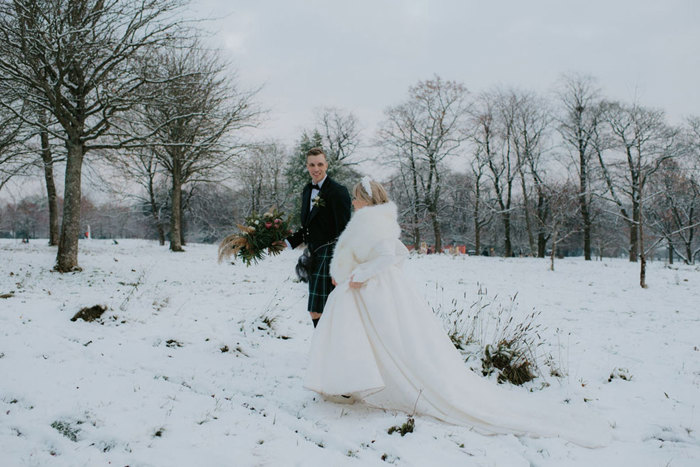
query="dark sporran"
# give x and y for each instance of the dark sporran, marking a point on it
(305, 266)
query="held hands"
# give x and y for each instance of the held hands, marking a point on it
(352, 284)
(355, 285)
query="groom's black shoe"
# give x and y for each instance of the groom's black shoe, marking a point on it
(315, 321)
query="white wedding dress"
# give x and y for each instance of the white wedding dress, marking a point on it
(383, 345)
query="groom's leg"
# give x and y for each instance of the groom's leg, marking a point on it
(315, 317)
(320, 284)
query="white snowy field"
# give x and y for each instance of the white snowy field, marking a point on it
(184, 368)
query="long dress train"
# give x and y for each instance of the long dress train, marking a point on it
(383, 345)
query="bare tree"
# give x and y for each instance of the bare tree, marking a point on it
(193, 114)
(44, 153)
(48, 159)
(579, 122)
(341, 137)
(564, 203)
(481, 215)
(260, 171)
(675, 211)
(531, 124)
(691, 207)
(140, 166)
(395, 136)
(22, 218)
(425, 130)
(492, 128)
(211, 209)
(456, 220)
(34, 147)
(644, 141)
(75, 60)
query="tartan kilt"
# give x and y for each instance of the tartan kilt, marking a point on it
(320, 284)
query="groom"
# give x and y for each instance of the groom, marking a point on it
(325, 210)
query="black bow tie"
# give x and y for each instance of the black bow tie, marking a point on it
(314, 185)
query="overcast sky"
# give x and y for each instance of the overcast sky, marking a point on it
(362, 55)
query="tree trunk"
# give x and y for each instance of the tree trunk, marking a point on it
(634, 226)
(542, 214)
(642, 256)
(586, 235)
(175, 220)
(541, 244)
(670, 251)
(52, 197)
(554, 249)
(477, 225)
(528, 221)
(414, 181)
(182, 222)
(436, 231)
(477, 237)
(161, 234)
(583, 203)
(416, 235)
(67, 256)
(508, 247)
(636, 197)
(155, 213)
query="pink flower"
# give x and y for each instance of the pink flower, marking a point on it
(277, 221)
(268, 225)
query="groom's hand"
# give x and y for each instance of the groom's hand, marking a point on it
(280, 245)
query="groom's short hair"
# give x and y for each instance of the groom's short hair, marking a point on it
(317, 151)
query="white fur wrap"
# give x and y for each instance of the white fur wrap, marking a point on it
(367, 227)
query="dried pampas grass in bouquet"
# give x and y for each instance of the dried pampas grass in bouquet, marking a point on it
(257, 237)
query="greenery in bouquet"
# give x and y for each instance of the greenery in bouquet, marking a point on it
(259, 236)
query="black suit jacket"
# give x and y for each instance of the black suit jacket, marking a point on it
(327, 220)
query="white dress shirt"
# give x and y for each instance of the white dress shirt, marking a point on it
(315, 192)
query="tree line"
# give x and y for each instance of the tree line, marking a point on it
(570, 166)
(127, 88)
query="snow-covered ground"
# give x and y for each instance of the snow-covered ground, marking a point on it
(201, 364)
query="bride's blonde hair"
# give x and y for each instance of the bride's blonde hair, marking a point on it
(378, 195)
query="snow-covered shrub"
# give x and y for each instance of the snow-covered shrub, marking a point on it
(502, 340)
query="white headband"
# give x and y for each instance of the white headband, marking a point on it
(366, 185)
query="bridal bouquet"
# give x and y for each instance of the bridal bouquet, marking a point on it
(258, 235)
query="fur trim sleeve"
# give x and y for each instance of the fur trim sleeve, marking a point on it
(367, 227)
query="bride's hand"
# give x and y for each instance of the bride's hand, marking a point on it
(355, 285)
(333, 282)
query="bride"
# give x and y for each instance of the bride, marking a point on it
(379, 342)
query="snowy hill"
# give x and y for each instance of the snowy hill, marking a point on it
(196, 363)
